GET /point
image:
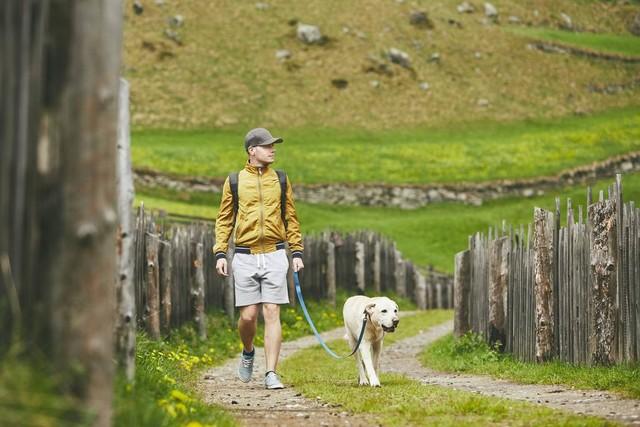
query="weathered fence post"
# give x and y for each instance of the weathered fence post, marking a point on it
(498, 286)
(153, 286)
(557, 277)
(439, 295)
(624, 320)
(602, 216)
(376, 266)
(125, 289)
(420, 290)
(331, 272)
(450, 292)
(359, 266)
(197, 289)
(166, 272)
(430, 292)
(543, 286)
(461, 289)
(400, 274)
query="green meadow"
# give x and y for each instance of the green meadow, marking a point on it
(478, 151)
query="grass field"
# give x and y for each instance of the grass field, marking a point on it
(475, 152)
(401, 402)
(30, 395)
(625, 44)
(429, 235)
(472, 355)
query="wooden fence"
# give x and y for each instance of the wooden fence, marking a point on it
(175, 279)
(549, 292)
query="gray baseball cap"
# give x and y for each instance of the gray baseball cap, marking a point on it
(259, 136)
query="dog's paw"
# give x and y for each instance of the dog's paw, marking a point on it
(375, 383)
(363, 381)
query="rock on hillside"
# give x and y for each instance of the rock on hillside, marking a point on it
(634, 27)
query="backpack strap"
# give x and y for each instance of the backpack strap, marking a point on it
(233, 183)
(282, 177)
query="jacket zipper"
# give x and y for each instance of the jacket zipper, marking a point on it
(261, 209)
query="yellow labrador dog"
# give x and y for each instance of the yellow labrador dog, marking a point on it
(382, 316)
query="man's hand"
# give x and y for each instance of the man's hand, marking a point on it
(221, 267)
(297, 264)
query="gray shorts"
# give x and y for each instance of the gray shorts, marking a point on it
(261, 278)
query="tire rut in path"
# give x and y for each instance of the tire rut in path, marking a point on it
(402, 358)
(251, 404)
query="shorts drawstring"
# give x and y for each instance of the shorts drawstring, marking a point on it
(264, 261)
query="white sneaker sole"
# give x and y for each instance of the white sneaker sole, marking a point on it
(275, 387)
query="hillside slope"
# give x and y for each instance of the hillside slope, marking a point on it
(225, 73)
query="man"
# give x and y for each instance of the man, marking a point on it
(260, 262)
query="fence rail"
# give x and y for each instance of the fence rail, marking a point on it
(570, 293)
(175, 279)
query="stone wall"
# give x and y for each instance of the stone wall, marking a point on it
(415, 196)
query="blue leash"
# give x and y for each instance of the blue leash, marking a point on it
(313, 327)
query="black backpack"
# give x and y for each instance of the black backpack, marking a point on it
(282, 177)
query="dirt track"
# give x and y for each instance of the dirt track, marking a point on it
(252, 405)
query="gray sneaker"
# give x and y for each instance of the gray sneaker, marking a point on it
(271, 381)
(245, 368)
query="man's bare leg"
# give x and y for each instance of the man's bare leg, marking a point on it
(247, 324)
(272, 334)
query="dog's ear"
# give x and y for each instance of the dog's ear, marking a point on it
(369, 308)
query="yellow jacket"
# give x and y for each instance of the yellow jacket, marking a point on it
(259, 224)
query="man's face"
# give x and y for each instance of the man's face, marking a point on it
(265, 154)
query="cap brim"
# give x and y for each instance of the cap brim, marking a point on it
(272, 141)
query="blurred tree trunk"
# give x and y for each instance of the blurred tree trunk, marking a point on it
(58, 124)
(83, 266)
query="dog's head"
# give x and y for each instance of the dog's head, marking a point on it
(384, 313)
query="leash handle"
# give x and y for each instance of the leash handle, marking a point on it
(313, 327)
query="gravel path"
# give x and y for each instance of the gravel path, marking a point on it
(402, 358)
(252, 405)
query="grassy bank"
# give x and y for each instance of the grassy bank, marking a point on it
(430, 235)
(162, 394)
(29, 395)
(401, 402)
(467, 153)
(624, 44)
(472, 355)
